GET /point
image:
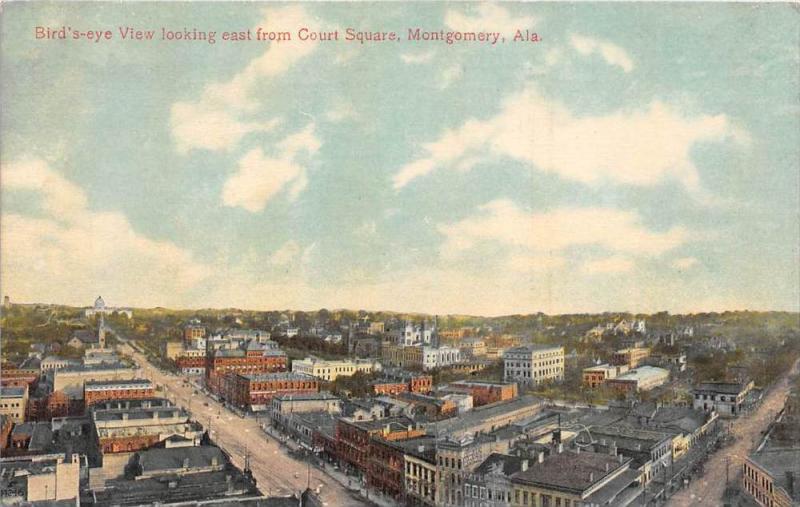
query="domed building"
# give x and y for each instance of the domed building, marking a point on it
(100, 308)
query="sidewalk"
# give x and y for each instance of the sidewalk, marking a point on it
(353, 484)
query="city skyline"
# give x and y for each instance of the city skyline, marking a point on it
(625, 163)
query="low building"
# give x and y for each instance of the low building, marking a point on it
(330, 370)
(570, 478)
(13, 403)
(726, 398)
(432, 407)
(72, 378)
(595, 376)
(51, 363)
(490, 417)
(534, 364)
(131, 425)
(388, 387)
(631, 357)
(484, 393)
(255, 392)
(462, 401)
(643, 378)
(416, 382)
(770, 477)
(104, 390)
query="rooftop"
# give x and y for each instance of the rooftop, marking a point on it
(12, 392)
(266, 377)
(571, 471)
(179, 457)
(644, 373)
(778, 462)
(477, 415)
(530, 348)
(500, 464)
(99, 384)
(322, 395)
(721, 387)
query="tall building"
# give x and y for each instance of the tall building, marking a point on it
(534, 364)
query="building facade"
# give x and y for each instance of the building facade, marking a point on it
(534, 364)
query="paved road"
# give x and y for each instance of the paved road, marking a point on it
(275, 471)
(708, 489)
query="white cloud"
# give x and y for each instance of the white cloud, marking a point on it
(611, 53)
(501, 221)
(72, 249)
(637, 147)
(450, 75)
(260, 176)
(341, 112)
(216, 121)
(684, 263)
(608, 265)
(417, 58)
(486, 17)
(286, 254)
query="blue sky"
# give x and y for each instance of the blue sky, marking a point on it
(641, 157)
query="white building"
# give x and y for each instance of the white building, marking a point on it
(438, 357)
(533, 364)
(413, 334)
(726, 398)
(100, 308)
(329, 370)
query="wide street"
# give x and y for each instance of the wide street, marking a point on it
(709, 489)
(276, 473)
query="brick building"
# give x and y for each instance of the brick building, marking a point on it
(256, 391)
(104, 390)
(386, 464)
(484, 393)
(388, 387)
(632, 357)
(220, 363)
(353, 438)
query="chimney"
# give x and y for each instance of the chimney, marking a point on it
(185, 462)
(606, 466)
(524, 465)
(541, 457)
(620, 457)
(591, 476)
(214, 461)
(577, 449)
(560, 447)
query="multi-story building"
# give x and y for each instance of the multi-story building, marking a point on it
(329, 370)
(472, 347)
(642, 378)
(726, 398)
(489, 485)
(650, 451)
(416, 382)
(189, 365)
(439, 357)
(50, 479)
(256, 391)
(484, 393)
(193, 332)
(595, 376)
(388, 387)
(322, 401)
(574, 479)
(251, 360)
(386, 463)
(104, 390)
(353, 438)
(420, 472)
(769, 476)
(631, 357)
(456, 458)
(534, 364)
(13, 403)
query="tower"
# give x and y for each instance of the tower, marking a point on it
(101, 332)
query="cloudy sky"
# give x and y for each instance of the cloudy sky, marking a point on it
(641, 158)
